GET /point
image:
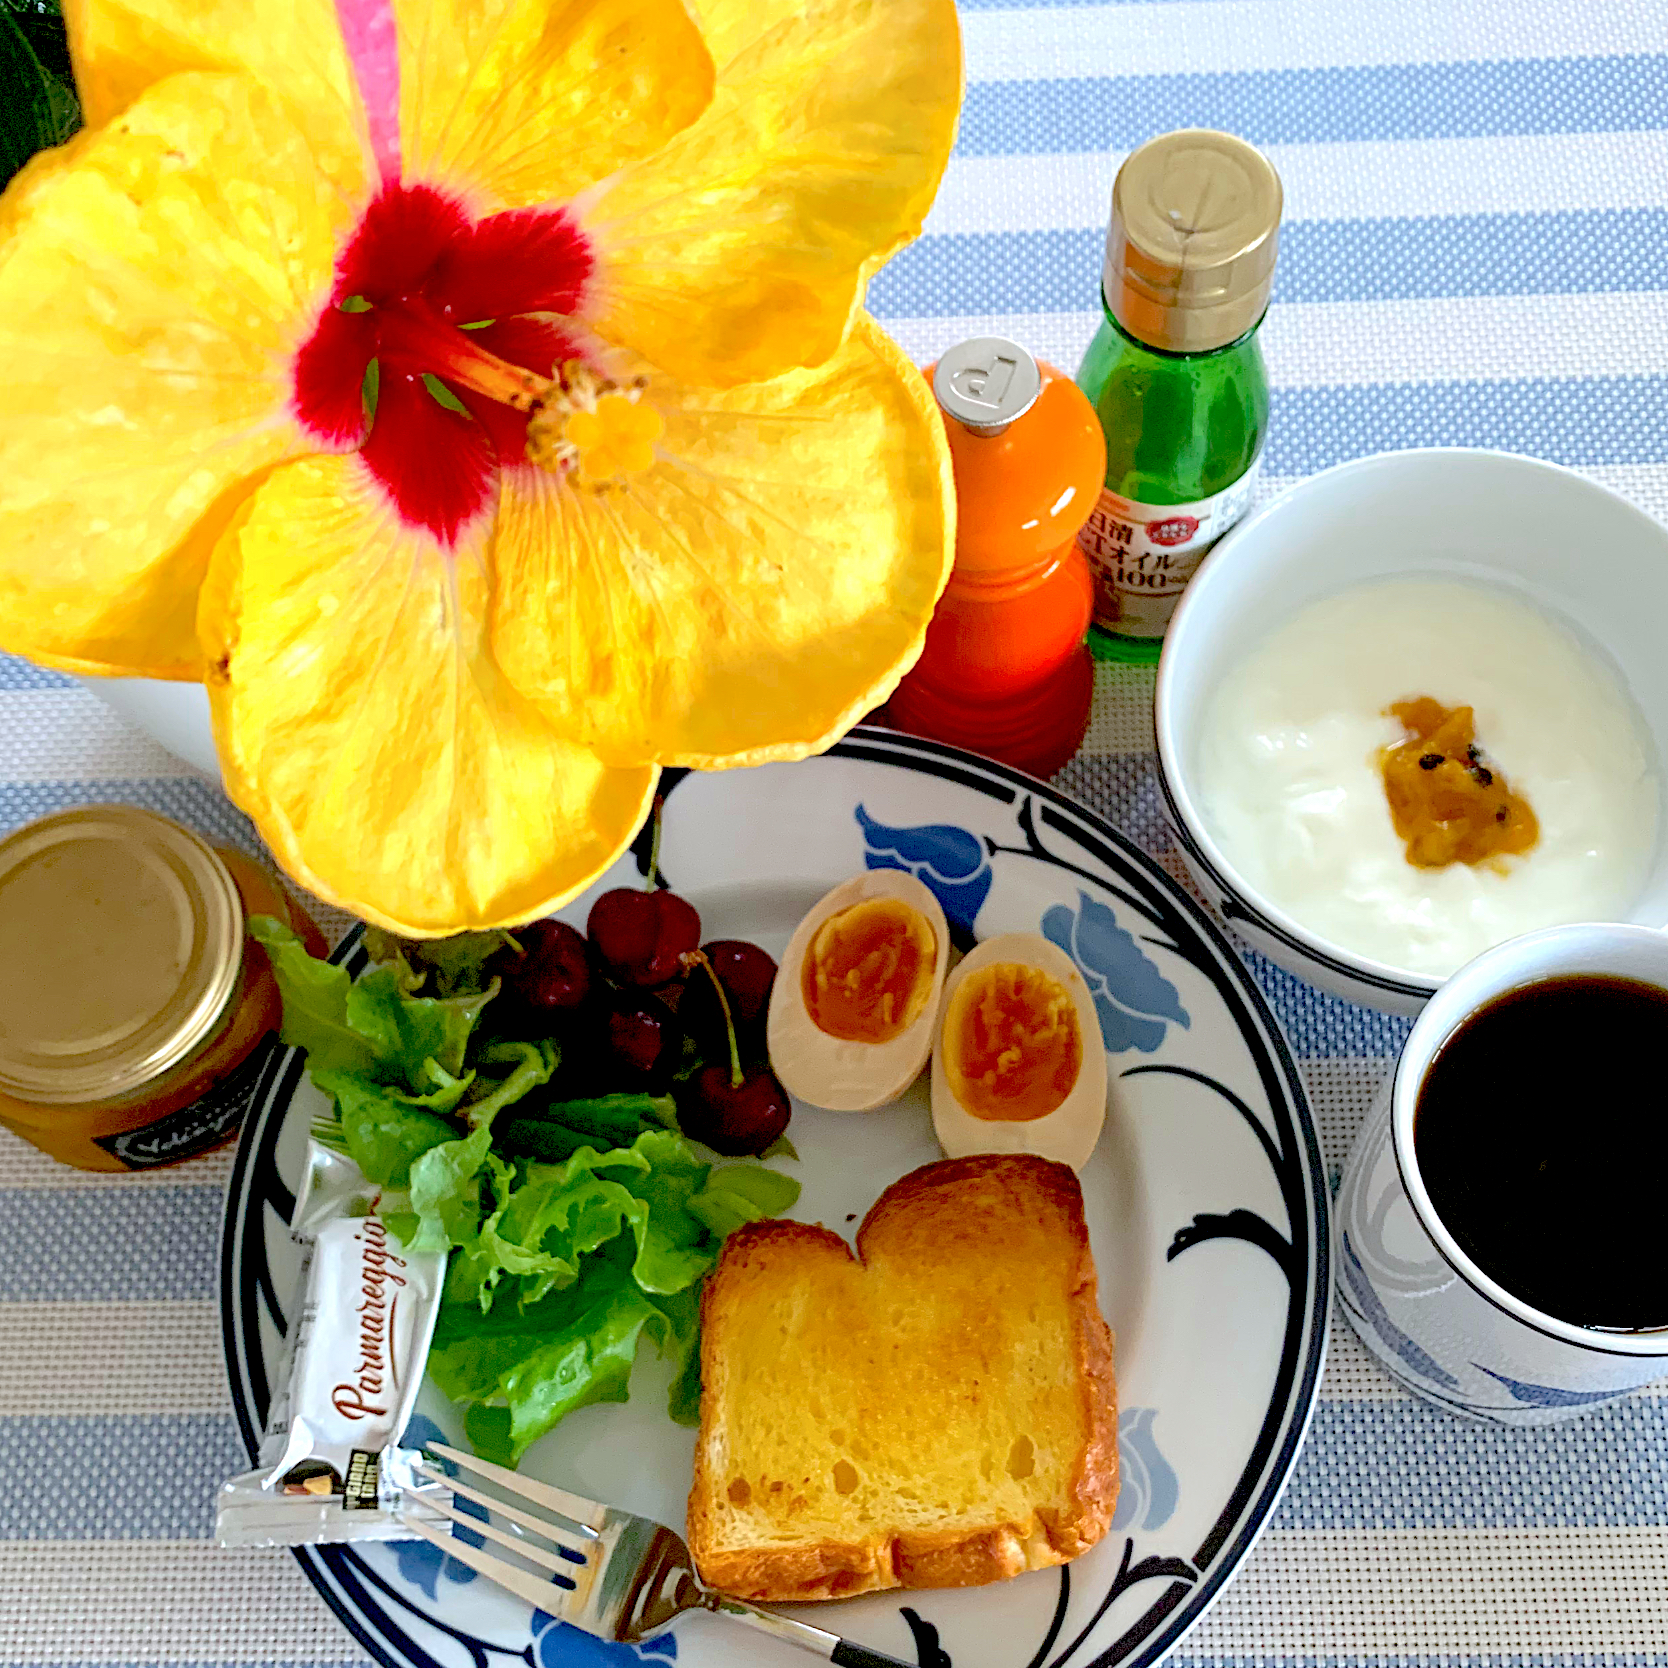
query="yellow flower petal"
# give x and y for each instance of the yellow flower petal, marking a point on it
(818, 157)
(153, 282)
(764, 585)
(531, 101)
(362, 722)
(121, 47)
(731, 26)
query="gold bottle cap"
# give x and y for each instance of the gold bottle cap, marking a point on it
(121, 940)
(1190, 249)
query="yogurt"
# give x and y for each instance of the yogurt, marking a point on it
(1291, 789)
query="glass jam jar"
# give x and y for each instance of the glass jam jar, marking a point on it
(136, 1014)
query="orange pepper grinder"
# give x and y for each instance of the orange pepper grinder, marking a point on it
(1005, 671)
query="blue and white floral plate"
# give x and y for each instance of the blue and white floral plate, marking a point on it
(1206, 1204)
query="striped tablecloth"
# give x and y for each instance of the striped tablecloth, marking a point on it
(1476, 252)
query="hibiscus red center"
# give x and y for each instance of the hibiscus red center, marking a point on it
(429, 307)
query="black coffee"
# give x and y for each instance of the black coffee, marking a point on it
(1541, 1133)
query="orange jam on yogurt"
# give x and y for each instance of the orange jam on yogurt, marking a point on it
(1447, 803)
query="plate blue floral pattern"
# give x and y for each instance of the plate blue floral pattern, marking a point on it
(1200, 1070)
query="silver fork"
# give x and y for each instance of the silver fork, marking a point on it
(610, 1572)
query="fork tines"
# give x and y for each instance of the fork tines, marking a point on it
(587, 1515)
(540, 1593)
(574, 1535)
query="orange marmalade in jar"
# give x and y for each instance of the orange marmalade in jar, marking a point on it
(136, 1014)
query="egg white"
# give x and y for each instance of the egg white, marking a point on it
(832, 1072)
(1067, 1134)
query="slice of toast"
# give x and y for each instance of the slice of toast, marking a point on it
(936, 1411)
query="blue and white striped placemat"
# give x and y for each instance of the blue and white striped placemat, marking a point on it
(1476, 252)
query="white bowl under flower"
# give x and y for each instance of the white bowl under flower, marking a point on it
(175, 715)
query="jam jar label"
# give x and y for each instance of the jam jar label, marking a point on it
(1142, 555)
(192, 1129)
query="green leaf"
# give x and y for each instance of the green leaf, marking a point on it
(682, 1343)
(446, 1179)
(558, 1130)
(402, 1224)
(457, 964)
(406, 1031)
(539, 1139)
(369, 388)
(683, 1399)
(541, 1235)
(371, 1024)
(589, 1362)
(673, 1247)
(534, 1064)
(742, 1193)
(354, 304)
(446, 1192)
(315, 997)
(385, 1131)
(573, 1266)
(37, 107)
(487, 1427)
(552, 1218)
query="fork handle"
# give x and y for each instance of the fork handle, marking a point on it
(842, 1652)
(848, 1655)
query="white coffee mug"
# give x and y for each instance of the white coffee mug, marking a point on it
(1420, 1304)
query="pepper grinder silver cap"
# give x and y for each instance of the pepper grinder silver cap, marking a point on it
(986, 383)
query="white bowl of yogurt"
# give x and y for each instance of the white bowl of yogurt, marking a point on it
(1479, 579)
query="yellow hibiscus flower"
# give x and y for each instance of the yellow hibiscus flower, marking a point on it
(475, 395)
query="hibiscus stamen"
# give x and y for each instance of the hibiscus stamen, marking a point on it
(587, 424)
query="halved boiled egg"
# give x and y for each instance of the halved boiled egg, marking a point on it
(1020, 1066)
(854, 1003)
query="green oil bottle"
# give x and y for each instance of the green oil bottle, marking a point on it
(1175, 374)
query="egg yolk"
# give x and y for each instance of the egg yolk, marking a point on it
(1012, 1047)
(868, 971)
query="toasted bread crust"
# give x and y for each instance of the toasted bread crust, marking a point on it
(826, 1570)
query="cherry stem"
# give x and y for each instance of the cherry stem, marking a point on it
(691, 959)
(654, 844)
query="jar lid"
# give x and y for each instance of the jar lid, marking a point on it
(986, 383)
(1191, 246)
(121, 939)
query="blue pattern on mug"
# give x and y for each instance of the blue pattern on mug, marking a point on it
(557, 1645)
(1547, 1395)
(1147, 1485)
(1410, 1354)
(419, 1562)
(1133, 1000)
(951, 863)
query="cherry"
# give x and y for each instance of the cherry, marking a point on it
(641, 938)
(550, 972)
(732, 1111)
(747, 974)
(737, 1119)
(642, 1036)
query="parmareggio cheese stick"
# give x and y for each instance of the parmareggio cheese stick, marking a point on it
(330, 1465)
